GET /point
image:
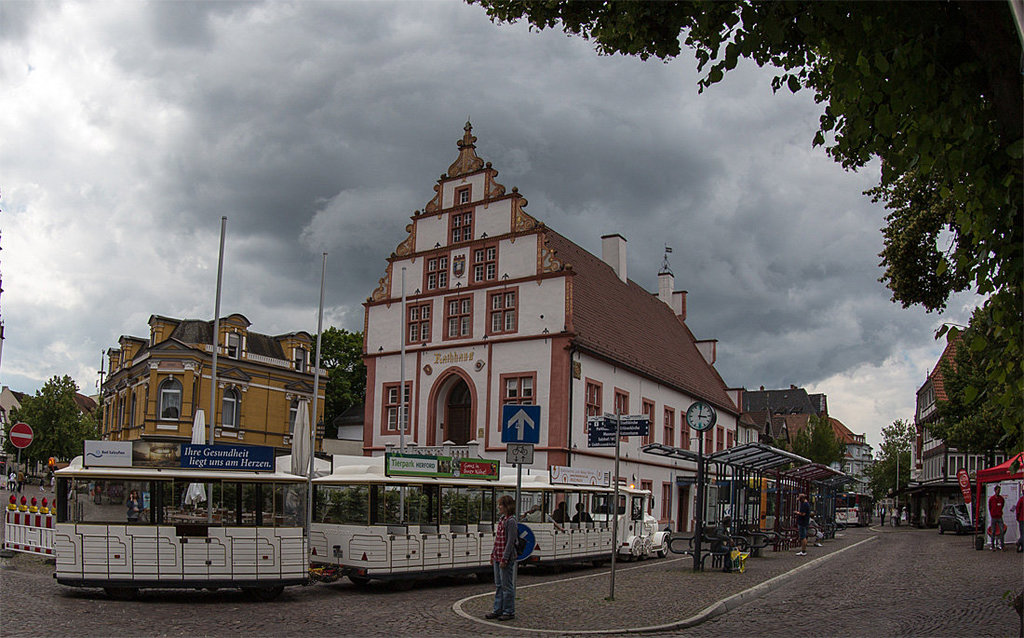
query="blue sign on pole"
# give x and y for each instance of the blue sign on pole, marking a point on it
(252, 458)
(520, 424)
(526, 534)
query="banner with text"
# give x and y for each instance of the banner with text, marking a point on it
(250, 458)
(561, 475)
(440, 466)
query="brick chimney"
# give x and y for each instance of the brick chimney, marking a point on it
(613, 253)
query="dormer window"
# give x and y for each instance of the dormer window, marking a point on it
(234, 345)
(300, 360)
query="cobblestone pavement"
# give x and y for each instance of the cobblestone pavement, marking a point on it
(888, 582)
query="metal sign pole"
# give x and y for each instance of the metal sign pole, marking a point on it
(213, 369)
(519, 515)
(700, 501)
(615, 505)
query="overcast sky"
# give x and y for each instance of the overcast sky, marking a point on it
(128, 129)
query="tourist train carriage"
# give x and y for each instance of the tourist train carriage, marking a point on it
(384, 527)
(249, 536)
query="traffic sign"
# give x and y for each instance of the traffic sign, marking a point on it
(520, 424)
(20, 435)
(519, 453)
(601, 429)
(526, 534)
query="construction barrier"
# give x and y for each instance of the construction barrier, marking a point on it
(28, 527)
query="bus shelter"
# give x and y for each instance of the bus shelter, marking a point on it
(820, 482)
(736, 480)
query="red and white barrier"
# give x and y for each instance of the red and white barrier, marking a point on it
(29, 528)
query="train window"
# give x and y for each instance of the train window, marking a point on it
(109, 501)
(419, 505)
(344, 504)
(251, 513)
(288, 504)
(386, 502)
(532, 506)
(487, 505)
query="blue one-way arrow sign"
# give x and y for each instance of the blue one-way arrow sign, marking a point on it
(520, 424)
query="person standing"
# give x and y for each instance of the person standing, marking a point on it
(503, 561)
(1019, 509)
(21, 481)
(803, 519)
(134, 506)
(995, 510)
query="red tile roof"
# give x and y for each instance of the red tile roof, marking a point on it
(625, 323)
(938, 382)
(842, 432)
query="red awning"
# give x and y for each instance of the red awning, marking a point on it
(1002, 472)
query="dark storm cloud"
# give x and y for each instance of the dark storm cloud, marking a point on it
(322, 126)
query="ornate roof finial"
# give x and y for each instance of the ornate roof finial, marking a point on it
(468, 162)
(664, 262)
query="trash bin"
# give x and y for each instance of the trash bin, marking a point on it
(979, 542)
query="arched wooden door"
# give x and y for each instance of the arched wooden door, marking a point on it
(457, 418)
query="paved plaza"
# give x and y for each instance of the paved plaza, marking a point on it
(868, 582)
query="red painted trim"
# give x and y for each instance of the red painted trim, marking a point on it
(420, 305)
(426, 256)
(468, 344)
(416, 391)
(490, 385)
(600, 400)
(371, 384)
(384, 390)
(466, 288)
(560, 372)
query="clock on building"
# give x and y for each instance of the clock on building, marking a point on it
(701, 416)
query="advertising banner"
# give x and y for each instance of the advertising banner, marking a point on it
(250, 458)
(107, 454)
(440, 466)
(561, 475)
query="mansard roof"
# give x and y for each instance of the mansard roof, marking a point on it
(625, 323)
(199, 332)
(793, 400)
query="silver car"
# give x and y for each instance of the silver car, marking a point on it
(955, 518)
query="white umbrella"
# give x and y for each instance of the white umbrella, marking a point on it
(300, 441)
(197, 491)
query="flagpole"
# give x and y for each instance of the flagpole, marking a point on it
(213, 372)
(316, 389)
(401, 385)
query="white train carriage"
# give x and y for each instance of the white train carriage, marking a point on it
(250, 536)
(371, 526)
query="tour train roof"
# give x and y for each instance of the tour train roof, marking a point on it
(77, 469)
(370, 469)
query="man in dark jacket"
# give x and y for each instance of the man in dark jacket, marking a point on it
(503, 560)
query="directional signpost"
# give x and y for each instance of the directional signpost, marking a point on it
(606, 431)
(520, 431)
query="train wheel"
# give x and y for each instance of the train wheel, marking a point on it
(264, 594)
(359, 581)
(662, 553)
(122, 593)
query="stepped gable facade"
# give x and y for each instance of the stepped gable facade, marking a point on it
(500, 309)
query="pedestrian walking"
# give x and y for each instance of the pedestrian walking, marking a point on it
(903, 515)
(21, 481)
(12, 482)
(503, 560)
(997, 528)
(803, 519)
(881, 512)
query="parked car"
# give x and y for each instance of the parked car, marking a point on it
(954, 518)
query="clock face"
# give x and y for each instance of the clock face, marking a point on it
(701, 416)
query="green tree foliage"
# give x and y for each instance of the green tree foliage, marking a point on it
(969, 421)
(59, 428)
(932, 89)
(341, 354)
(818, 442)
(896, 441)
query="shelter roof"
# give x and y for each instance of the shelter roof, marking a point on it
(756, 456)
(817, 472)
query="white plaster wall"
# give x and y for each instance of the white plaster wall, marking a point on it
(494, 218)
(430, 231)
(448, 189)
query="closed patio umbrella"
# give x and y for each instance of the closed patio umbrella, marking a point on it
(300, 441)
(196, 491)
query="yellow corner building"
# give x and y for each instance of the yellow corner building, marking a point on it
(156, 385)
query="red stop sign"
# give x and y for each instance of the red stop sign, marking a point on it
(21, 435)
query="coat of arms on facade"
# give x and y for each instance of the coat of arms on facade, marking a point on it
(459, 266)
